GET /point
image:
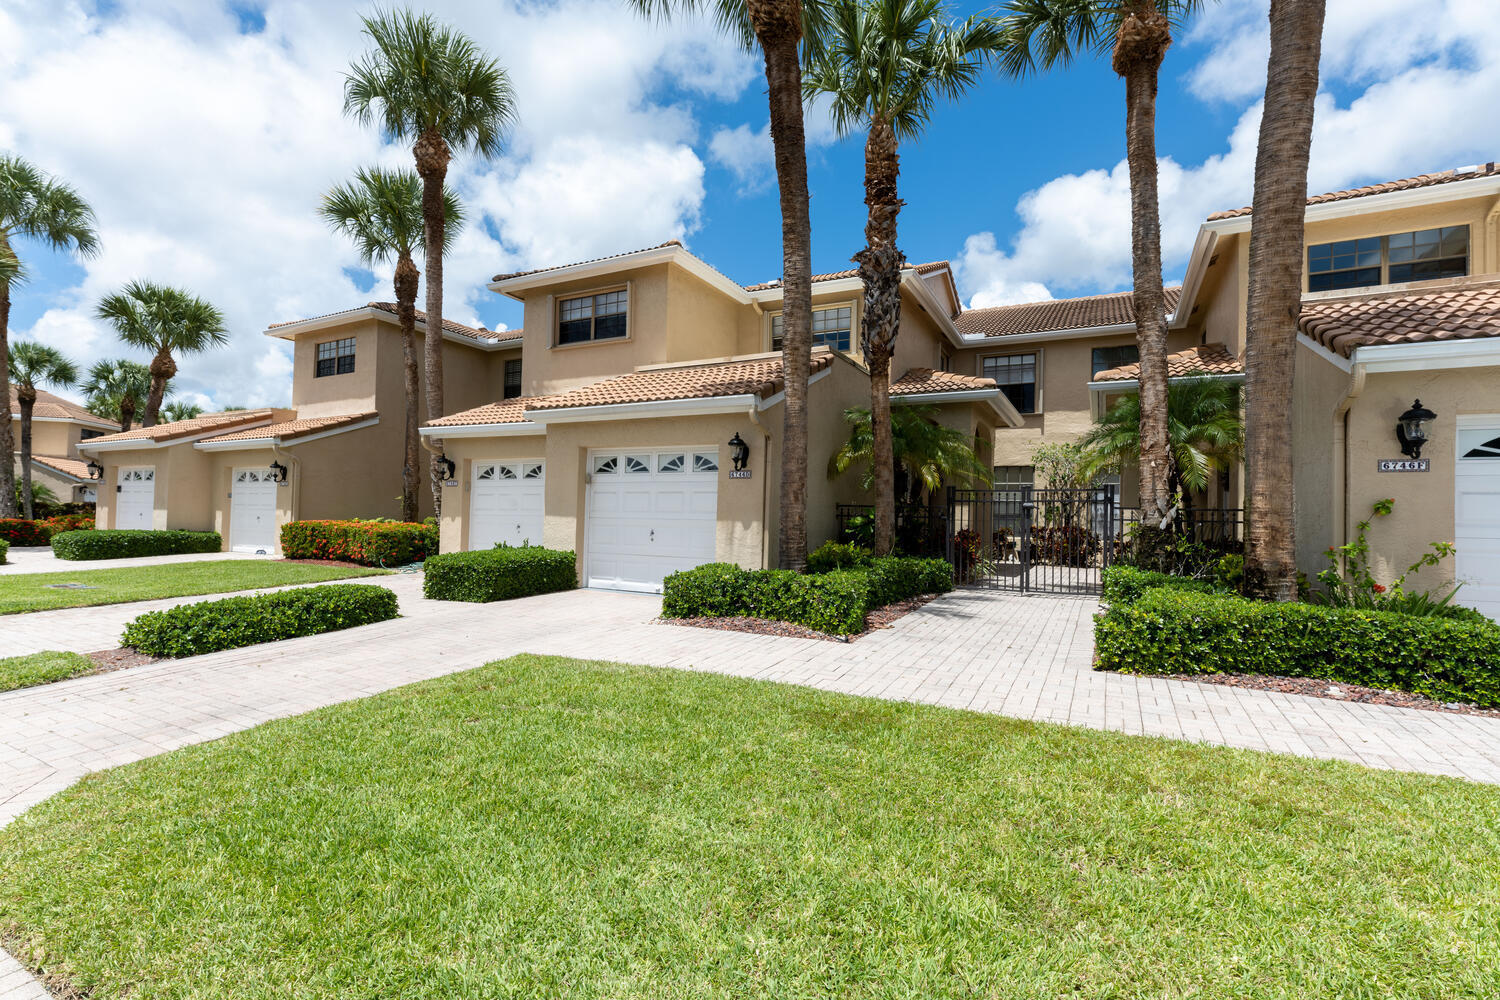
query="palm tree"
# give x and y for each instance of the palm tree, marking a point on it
(1275, 294)
(1204, 434)
(38, 207)
(179, 410)
(779, 26)
(115, 388)
(1137, 34)
(885, 63)
(928, 453)
(381, 211)
(31, 364)
(165, 321)
(430, 85)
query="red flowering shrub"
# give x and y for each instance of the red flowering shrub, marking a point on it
(70, 522)
(19, 531)
(369, 543)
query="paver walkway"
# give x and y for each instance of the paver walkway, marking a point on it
(39, 559)
(1026, 656)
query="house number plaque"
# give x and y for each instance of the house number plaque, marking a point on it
(1402, 465)
(739, 473)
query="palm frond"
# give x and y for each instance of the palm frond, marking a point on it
(33, 364)
(380, 212)
(159, 317)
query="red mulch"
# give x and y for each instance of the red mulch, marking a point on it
(1319, 687)
(878, 619)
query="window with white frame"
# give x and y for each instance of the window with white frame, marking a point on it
(1420, 255)
(588, 318)
(335, 357)
(1015, 374)
(831, 327)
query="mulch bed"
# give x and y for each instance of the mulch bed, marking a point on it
(1319, 687)
(107, 660)
(875, 620)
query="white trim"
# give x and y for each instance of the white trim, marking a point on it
(1135, 383)
(776, 397)
(513, 429)
(113, 425)
(1192, 281)
(1478, 352)
(271, 440)
(911, 280)
(637, 258)
(147, 443)
(832, 286)
(997, 400)
(1343, 364)
(644, 411)
(1432, 194)
(54, 471)
(1483, 420)
(1071, 333)
(291, 331)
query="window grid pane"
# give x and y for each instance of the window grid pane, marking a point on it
(593, 317)
(1420, 255)
(831, 327)
(335, 357)
(1016, 377)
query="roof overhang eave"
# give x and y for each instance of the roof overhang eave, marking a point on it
(1135, 383)
(291, 331)
(514, 429)
(698, 406)
(911, 280)
(678, 255)
(1473, 352)
(1432, 194)
(994, 398)
(275, 441)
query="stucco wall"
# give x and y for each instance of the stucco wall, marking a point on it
(548, 368)
(58, 438)
(181, 477)
(331, 395)
(1317, 389)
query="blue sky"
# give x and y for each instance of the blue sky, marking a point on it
(204, 134)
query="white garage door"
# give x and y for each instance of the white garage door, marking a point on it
(1477, 517)
(252, 511)
(649, 514)
(505, 504)
(135, 498)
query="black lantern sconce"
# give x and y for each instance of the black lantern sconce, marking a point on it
(1411, 429)
(446, 464)
(279, 471)
(739, 451)
(96, 471)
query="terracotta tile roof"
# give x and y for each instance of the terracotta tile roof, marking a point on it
(927, 380)
(1114, 309)
(730, 378)
(289, 429)
(1450, 313)
(184, 428)
(591, 260)
(48, 405)
(927, 268)
(1196, 362)
(67, 466)
(477, 334)
(1404, 184)
(506, 411)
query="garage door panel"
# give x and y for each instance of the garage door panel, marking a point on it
(649, 516)
(135, 499)
(506, 503)
(1476, 535)
(252, 510)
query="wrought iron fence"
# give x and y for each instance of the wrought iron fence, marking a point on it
(920, 530)
(1024, 538)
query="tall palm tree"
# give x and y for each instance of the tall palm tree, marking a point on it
(31, 364)
(115, 388)
(780, 27)
(1275, 294)
(1204, 435)
(166, 321)
(430, 85)
(885, 63)
(33, 206)
(1136, 34)
(928, 453)
(381, 211)
(179, 409)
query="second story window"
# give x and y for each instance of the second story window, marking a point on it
(335, 357)
(830, 327)
(1387, 260)
(512, 379)
(1106, 358)
(88, 434)
(592, 317)
(1015, 374)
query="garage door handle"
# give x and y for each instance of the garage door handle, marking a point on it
(653, 534)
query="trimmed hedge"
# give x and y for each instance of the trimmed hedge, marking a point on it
(126, 542)
(835, 602)
(1124, 584)
(1179, 632)
(231, 622)
(4, 550)
(369, 543)
(498, 574)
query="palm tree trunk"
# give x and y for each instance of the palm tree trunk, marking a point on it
(127, 412)
(407, 278)
(1275, 294)
(778, 27)
(432, 155)
(27, 396)
(880, 269)
(162, 370)
(7, 446)
(1140, 46)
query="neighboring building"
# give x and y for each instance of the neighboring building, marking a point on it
(57, 429)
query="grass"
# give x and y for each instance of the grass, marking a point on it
(29, 591)
(41, 668)
(549, 827)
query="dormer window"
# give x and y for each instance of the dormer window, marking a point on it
(1422, 255)
(830, 328)
(592, 317)
(335, 357)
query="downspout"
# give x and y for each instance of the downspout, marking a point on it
(765, 486)
(1341, 451)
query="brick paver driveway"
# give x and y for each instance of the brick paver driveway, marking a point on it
(1026, 656)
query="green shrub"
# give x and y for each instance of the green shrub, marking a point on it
(19, 531)
(369, 543)
(1124, 584)
(897, 578)
(209, 626)
(713, 590)
(833, 555)
(127, 543)
(4, 550)
(1179, 632)
(498, 574)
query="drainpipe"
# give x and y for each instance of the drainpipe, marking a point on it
(1341, 451)
(765, 486)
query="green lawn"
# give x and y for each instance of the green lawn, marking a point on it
(40, 668)
(30, 592)
(545, 827)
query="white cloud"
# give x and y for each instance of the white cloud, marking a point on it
(749, 154)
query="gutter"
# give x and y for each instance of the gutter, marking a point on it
(1002, 406)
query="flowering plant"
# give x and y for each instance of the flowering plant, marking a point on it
(1349, 583)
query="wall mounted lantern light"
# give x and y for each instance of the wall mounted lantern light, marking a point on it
(739, 451)
(96, 471)
(446, 464)
(279, 471)
(1411, 429)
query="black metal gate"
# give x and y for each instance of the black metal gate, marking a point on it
(1029, 539)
